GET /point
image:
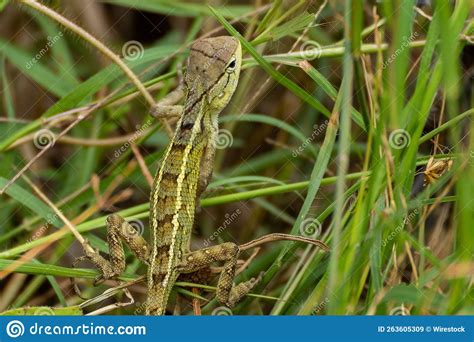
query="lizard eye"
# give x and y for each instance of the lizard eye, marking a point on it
(231, 65)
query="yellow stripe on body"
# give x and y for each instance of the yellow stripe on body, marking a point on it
(175, 222)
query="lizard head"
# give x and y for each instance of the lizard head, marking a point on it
(213, 70)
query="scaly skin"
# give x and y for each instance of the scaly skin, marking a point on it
(209, 84)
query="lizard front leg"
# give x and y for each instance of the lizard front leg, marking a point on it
(227, 293)
(167, 107)
(206, 168)
(117, 230)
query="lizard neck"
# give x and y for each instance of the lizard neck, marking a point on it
(198, 121)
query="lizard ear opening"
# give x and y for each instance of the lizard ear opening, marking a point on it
(231, 66)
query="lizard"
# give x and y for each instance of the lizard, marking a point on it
(210, 79)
